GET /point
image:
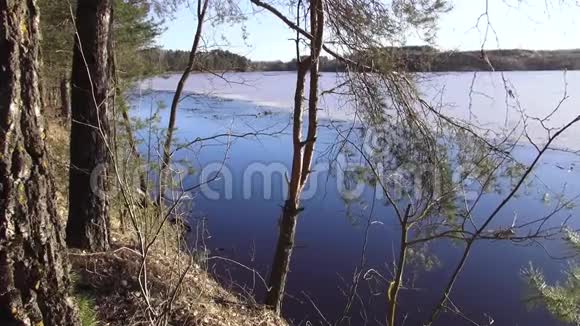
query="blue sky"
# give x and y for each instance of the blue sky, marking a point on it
(531, 24)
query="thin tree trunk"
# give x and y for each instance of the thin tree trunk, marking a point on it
(395, 286)
(143, 185)
(34, 283)
(65, 98)
(88, 222)
(317, 29)
(281, 263)
(202, 6)
(303, 152)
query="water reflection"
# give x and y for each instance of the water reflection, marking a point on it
(348, 242)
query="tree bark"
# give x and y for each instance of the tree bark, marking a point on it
(397, 283)
(88, 222)
(65, 98)
(303, 152)
(34, 283)
(288, 220)
(317, 29)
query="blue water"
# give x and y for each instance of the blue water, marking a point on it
(242, 224)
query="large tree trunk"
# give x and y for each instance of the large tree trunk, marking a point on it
(34, 284)
(88, 222)
(303, 152)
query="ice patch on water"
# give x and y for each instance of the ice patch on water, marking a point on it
(490, 100)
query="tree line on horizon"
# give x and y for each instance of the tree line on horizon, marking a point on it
(405, 58)
(224, 60)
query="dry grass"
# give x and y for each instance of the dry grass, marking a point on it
(110, 278)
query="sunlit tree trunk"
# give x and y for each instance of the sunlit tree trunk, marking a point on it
(65, 98)
(143, 186)
(34, 283)
(88, 222)
(397, 283)
(303, 152)
(288, 220)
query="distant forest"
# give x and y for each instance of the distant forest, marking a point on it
(222, 60)
(412, 58)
